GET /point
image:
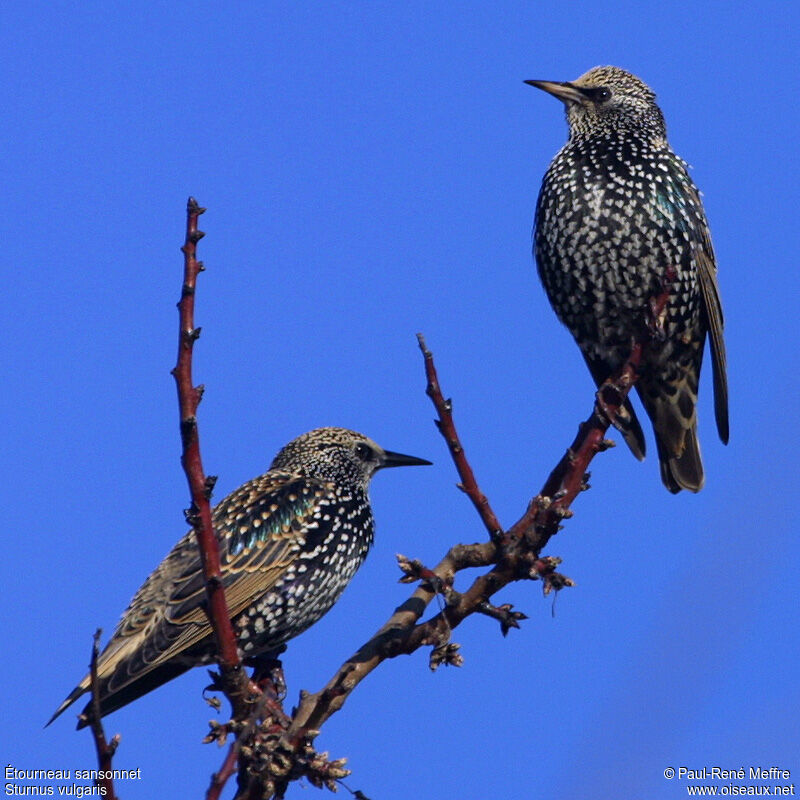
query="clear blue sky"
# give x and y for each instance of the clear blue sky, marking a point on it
(371, 171)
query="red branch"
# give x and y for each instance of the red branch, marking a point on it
(235, 682)
(189, 397)
(511, 556)
(105, 749)
(447, 428)
(220, 778)
(546, 511)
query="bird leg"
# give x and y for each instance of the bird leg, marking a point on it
(656, 315)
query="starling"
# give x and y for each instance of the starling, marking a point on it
(290, 541)
(617, 219)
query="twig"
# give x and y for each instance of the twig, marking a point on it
(220, 778)
(447, 428)
(542, 520)
(200, 487)
(105, 749)
(235, 682)
(393, 639)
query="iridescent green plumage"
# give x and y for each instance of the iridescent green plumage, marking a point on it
(290, 541)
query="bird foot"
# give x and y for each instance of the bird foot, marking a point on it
(268, 673)
(609, 402)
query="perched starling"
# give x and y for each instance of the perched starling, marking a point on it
(290, 541)
(617, 217)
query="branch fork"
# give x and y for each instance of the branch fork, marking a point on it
(279, 750)
(273, 749)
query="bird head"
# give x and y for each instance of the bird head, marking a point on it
(605, 100)
(339, 455)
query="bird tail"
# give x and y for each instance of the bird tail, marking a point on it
(112, 698)
(684, 471)
(672, 407)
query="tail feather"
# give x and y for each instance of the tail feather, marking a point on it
(671, 403)
(684, 471)
(133, 691)
(112, 698)
(675, 428)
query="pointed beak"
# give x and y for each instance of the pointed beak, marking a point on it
(563, 90)
(391, 459)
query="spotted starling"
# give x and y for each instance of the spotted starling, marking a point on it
(617, 219)
(290, 541)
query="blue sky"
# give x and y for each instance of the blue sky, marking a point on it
(371, 171)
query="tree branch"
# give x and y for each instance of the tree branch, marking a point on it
(105, 749)
(512, 555)
(220, 778)
(543, 518)
(447, 428)
(234, 680)
(271, 749)
(200, 487)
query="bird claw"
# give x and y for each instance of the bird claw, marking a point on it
(268, 673)
(609, 402)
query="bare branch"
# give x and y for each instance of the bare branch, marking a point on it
(189, 396)
(513, 555)
(234, 680)
(545, 512)
(220, 778)
(447, 427)
(105, 749)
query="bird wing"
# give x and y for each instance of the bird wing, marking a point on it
(707, 273)
(712, 305)
(260, 528)
(693, 219)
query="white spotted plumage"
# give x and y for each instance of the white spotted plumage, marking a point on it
(618, 219)
(290, 541)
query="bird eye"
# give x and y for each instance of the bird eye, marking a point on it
(365, 452)
(602, 94)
